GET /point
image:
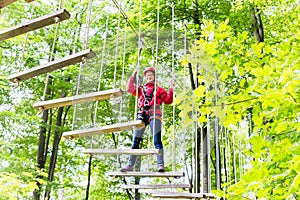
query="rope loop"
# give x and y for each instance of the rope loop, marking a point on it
(56, 20)
(84, 60)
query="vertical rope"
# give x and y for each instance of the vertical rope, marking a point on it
(184, 75)
(88, 22)
(56, 19)
(84, 60)
(60, 4)
(173, 77)
(122, 76)
(157, 31)
(101, 69)
(123, 70)
(138, 59)
(26, 38)
(155, 77)
(117, 47)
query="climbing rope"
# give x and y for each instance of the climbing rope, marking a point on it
(184, 74)
(140, 47)
(26, 37)
(56, 19)
(123, 74)
(173, 74)
(84, 61)
(101, 68)
(117, 47)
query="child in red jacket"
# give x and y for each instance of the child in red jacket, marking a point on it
(151, 96)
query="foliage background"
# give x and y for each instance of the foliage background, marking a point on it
(250, 87)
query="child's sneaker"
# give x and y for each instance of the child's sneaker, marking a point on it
(127, 168)
(161, 169)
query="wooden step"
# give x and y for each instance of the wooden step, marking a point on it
(52, 66)
(4, 3)
(104, 129)
(121, 151)
(155, 186)
(34, 24)
(146, 174)
(94, 96)
(165, 194)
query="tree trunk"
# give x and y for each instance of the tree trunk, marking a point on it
(205, 157)
(41, 146)
(197, 161)
(57, 137)
(257, 26)
(89, 179)
(217, 151)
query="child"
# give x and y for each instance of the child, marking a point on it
(151, 96)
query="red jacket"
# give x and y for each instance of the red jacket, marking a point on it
(161, 95)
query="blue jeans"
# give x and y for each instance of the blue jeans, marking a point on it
(155, 125)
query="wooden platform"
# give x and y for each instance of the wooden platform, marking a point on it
(174, 195)
(155, 186)
(146, 174)
(34, 24)
(52, 66)
(104, 129)
(121, 151)
(4, 3)
(95, 96)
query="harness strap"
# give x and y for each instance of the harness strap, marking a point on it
(156, 117)
(147, 98)
(146, 108)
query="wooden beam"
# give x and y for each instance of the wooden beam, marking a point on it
(155, 186)
(146, 174)
(165, 194)
(104, 129)
(52, 66)
(4, 3)
(94, 96)
(34, 24)
(141, 152)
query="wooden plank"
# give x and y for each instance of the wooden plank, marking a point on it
(34, 24)
(4, 3)
(94, 96)
(165, 194)
(104, 129)
(156, 186)
(141, 152)
(52, 66)
(146, 174)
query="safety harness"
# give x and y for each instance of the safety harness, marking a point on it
(147, 98)
(146, 108)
